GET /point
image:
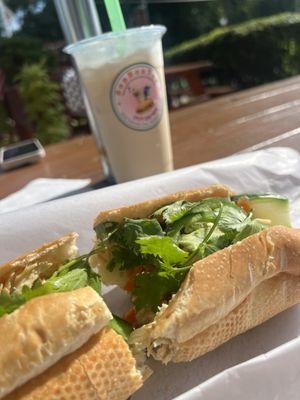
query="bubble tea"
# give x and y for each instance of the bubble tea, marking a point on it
(123, 77)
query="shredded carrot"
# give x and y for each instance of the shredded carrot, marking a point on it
(130, 316)
(129, 284)
(244, 203)
(131, 277)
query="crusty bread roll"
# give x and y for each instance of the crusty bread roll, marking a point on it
(146, 208)
(102, 369)
(60, 343)
(268, 299)
(224, 294)
(44, 330)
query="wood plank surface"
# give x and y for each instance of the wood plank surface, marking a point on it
(234, 122)
(77, 158)
(260, 117)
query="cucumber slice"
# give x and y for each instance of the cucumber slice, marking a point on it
(269, 206)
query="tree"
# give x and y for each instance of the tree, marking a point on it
(238, 11)
(17, 51)
(185, 20)
(43, 103)
(37, 18)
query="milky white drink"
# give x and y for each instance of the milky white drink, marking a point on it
(123, 77)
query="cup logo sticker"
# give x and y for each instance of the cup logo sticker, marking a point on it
(136, 97)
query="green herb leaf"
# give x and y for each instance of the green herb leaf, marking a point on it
(122, 327)
(249, 229)
(173, 212)
(134, 228)
(232, 218)
(105, 230)
(123, 247)
(123, 258)
(162, 247)
(176, 236)
(191, 241)
(152, 288)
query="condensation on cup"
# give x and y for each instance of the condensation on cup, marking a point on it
(123, 78)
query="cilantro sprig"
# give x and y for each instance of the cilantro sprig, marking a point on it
(163, 247)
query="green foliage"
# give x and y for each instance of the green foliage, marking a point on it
(185, 20)
(152, 288)
(17, 51)
(188, 19)
(37, 19)
(125, 254)
(250, 53)
(163, 248)
(237, 11)
(43, 103)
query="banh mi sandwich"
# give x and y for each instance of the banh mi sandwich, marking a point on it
(59, 340)
(201, 266)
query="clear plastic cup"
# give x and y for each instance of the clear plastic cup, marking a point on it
(123, 77)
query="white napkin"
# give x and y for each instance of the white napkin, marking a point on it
(40, 190)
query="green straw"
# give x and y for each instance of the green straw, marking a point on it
(115, 15)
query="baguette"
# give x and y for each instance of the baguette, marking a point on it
(224, 294)
(102, 369)
(46, 329)
(59, 346)
(146, 208)
(240, 287)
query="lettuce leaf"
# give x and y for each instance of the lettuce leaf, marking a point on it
(73, 275)
(9, 303)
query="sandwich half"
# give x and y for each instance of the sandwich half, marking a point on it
(201, 267)
(59, 340)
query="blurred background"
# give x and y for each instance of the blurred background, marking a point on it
(212, 48)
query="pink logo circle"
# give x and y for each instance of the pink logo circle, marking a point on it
(136, 97)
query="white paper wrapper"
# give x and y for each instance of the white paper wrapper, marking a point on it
(276, 170)
(259, 378)
(40, 190)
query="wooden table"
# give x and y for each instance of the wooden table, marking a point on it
(237, 121)
(76, 158)
(261, 117)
